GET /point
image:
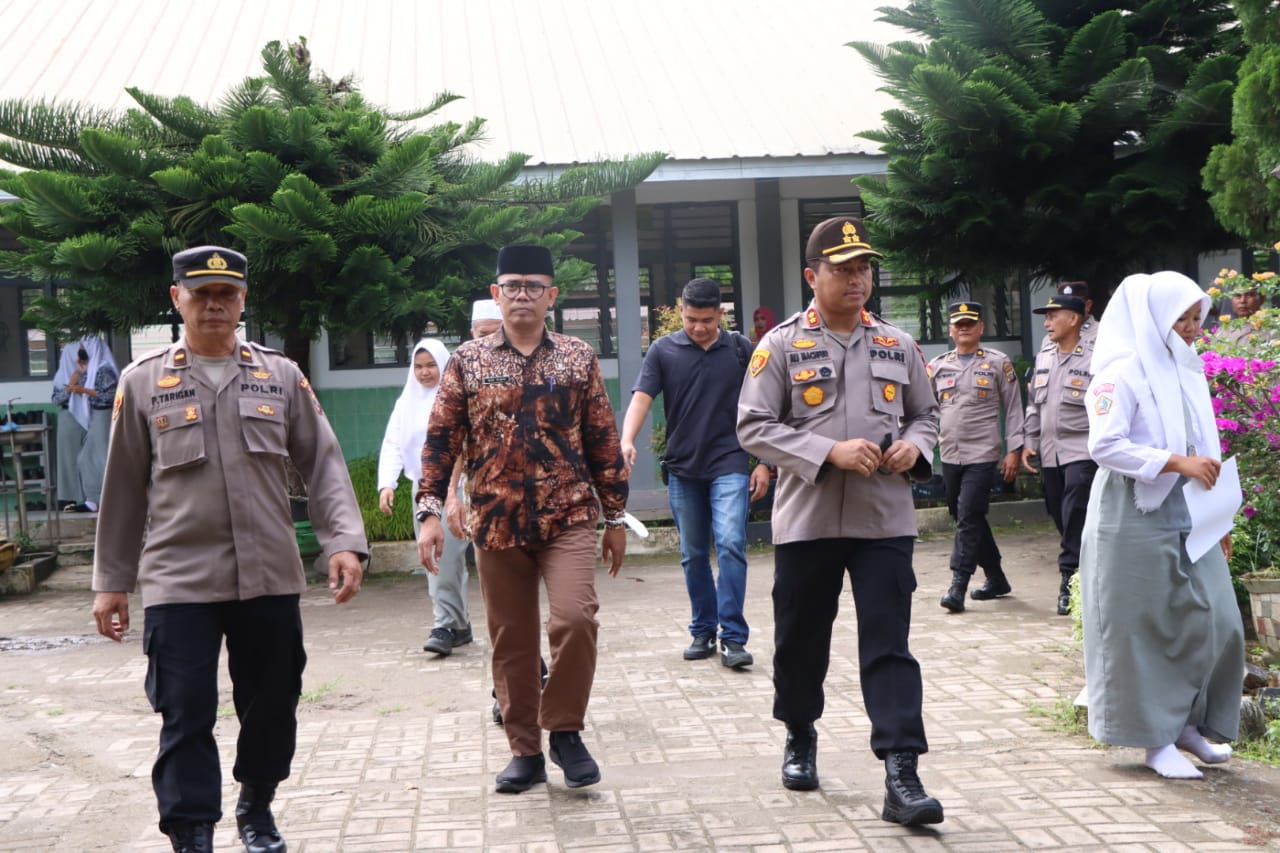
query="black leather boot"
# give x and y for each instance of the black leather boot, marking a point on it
(800, 758)
(905, 801)
(1064, 593)
(954, 599)
(254, 819)
(997, 585)
(191, 837)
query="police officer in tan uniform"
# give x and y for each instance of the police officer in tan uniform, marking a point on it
(1089, 327)
(200, 435)
(839, 400)
(975, 386)
(1057, 429)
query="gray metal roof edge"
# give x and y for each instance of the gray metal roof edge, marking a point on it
(738, 168)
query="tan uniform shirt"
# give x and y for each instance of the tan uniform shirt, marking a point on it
(199, 472)
(1057, 422)
(805, 391)
(972, 393)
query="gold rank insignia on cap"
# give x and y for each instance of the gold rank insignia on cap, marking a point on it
(890, 392)
(162, 421)
(759, 359)
(804, 375)
(264, 409)
(259, 374)
(168, 381)
(813, 395)
(190, 413)
(804, 343)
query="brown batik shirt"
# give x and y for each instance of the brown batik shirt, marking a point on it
(538, 432)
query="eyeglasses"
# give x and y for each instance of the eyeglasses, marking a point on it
(511, 289)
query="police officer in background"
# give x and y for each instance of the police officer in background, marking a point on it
(974, 386)
(1057, 429)
(839, 400)
(1089, 327)
(200, 435)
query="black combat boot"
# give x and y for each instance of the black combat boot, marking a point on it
(954, 599)
(254, 819)
(905, 801)
(190, 837)
(997, 585)
(1064, 593)
(800, 758)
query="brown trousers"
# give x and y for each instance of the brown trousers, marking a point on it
(509, 584)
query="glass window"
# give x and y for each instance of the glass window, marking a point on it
(25, 351)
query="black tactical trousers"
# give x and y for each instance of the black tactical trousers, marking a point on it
(968, 497)
(1066, 496)
(807, 582)
(265, 659)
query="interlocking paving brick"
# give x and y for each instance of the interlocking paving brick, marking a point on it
(396, 750)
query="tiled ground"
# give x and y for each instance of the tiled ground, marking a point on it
(397, 753)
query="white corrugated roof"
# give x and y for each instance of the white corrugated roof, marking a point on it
(565, 81)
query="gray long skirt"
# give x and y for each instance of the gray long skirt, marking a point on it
(1163, 637)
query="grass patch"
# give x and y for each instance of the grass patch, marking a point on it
(1062, 716)
(394, 709)
(226, 712)
(320, 692)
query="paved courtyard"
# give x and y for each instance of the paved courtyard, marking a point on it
(397, 751)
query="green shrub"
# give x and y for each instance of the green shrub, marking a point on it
(379, 527)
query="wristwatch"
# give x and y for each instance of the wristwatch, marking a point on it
(428, 506)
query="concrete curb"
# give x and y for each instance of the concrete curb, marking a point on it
(402, 556)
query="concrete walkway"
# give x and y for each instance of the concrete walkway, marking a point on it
(397, 751)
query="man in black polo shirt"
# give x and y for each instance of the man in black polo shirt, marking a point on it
(698, 370)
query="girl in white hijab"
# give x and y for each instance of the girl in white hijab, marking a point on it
(85, 385)
(402, 451)
(1162, 635)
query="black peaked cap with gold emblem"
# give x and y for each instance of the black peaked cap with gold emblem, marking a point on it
(196, 267)
(837, 240)
(964, 311)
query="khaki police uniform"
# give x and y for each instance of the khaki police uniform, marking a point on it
(807, 389)
(1057, 429)
(195, 514)
(973, 393)
(194, 505)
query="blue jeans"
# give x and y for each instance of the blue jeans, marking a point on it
(701, 509)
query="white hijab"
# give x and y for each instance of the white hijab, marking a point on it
(413, 408)
(1136, 337)
(99, 355)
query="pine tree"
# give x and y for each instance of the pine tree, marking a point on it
(1037, 138)
(1242, 176)
(353, 217)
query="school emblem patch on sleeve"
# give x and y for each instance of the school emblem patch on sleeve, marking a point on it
(1102, 405)
(759, 359)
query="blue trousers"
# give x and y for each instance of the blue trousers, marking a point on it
(704, 510)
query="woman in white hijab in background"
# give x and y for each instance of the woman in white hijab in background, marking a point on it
(85, 387)
(402, 451)
(1163, 638)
